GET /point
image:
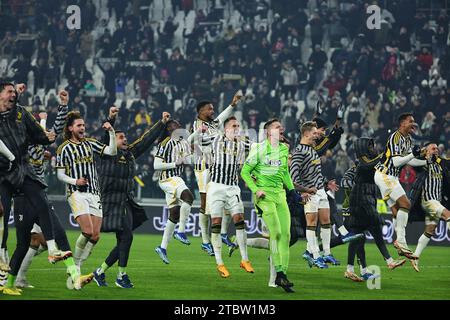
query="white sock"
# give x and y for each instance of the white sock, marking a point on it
(225, 223)
(350, 268)
(168, 233)
(400, 229)
(313, 247)
(343, 231)
(259, 243)
(363, 270)
(204, 227)
(87, 251)
(325, 235)
(421, 244)
(26, 263)
(217, 245)
(394, 222)
(241, 238)
(79, 248)
(51, 245)
(273, 272)
(389, 261)
(185, 210)
(5, 256)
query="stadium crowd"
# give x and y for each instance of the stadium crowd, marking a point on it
(275, 51)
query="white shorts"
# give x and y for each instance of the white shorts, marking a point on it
(390, 188)
(173, 187)
(433, 210)
(85, 203)
(222, 197)
(317, 201)
(202, 179)
(36, 229)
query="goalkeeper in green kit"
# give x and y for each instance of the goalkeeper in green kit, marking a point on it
(266, 173)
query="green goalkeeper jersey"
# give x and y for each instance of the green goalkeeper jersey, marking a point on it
(266, 168)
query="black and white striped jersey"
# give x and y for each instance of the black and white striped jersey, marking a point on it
(78, 161)
(227, 157)
(432, 188)
(397, 145)
(36, 151)
(306, 168)
(348, 180)
(202, 155)
(170, 150)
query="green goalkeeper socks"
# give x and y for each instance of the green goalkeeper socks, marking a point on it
(11, 281)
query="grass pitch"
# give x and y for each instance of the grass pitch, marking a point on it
(191, 275)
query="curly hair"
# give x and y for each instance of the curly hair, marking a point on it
(71, 117)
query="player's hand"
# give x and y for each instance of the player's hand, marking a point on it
(260, 194)
(51, 136)
(47, 155)
(416, 151)
(20, 88)
(319, 108)
(113, 111)
(82, 182)
(42, 115)
(340, 112)
(306, 196)
(107, 126)
(63, 98)
(312, 190)
(237, 97)
(332, 185)
(165, 117)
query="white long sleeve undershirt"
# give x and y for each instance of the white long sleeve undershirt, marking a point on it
(401, 161)
(158, 164)
(61, 174)
(417, 162)
(6, 152)
(111, 149)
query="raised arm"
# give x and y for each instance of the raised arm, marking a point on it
(111, 148)
(63, 109)
(227, 112)
(146, 140)
(330, 141)
(35, 133)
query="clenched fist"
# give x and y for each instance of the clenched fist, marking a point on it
(63, 98)
(165, 117)
(21, 87)
(237, 97)
(107, 126)
(113, 111)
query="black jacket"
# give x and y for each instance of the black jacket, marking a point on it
(363, 197)
(116, 175)
(18, 130)
(415, 195)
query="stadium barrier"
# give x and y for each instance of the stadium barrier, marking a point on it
(157, 213)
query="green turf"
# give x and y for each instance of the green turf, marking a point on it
(192, 275)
